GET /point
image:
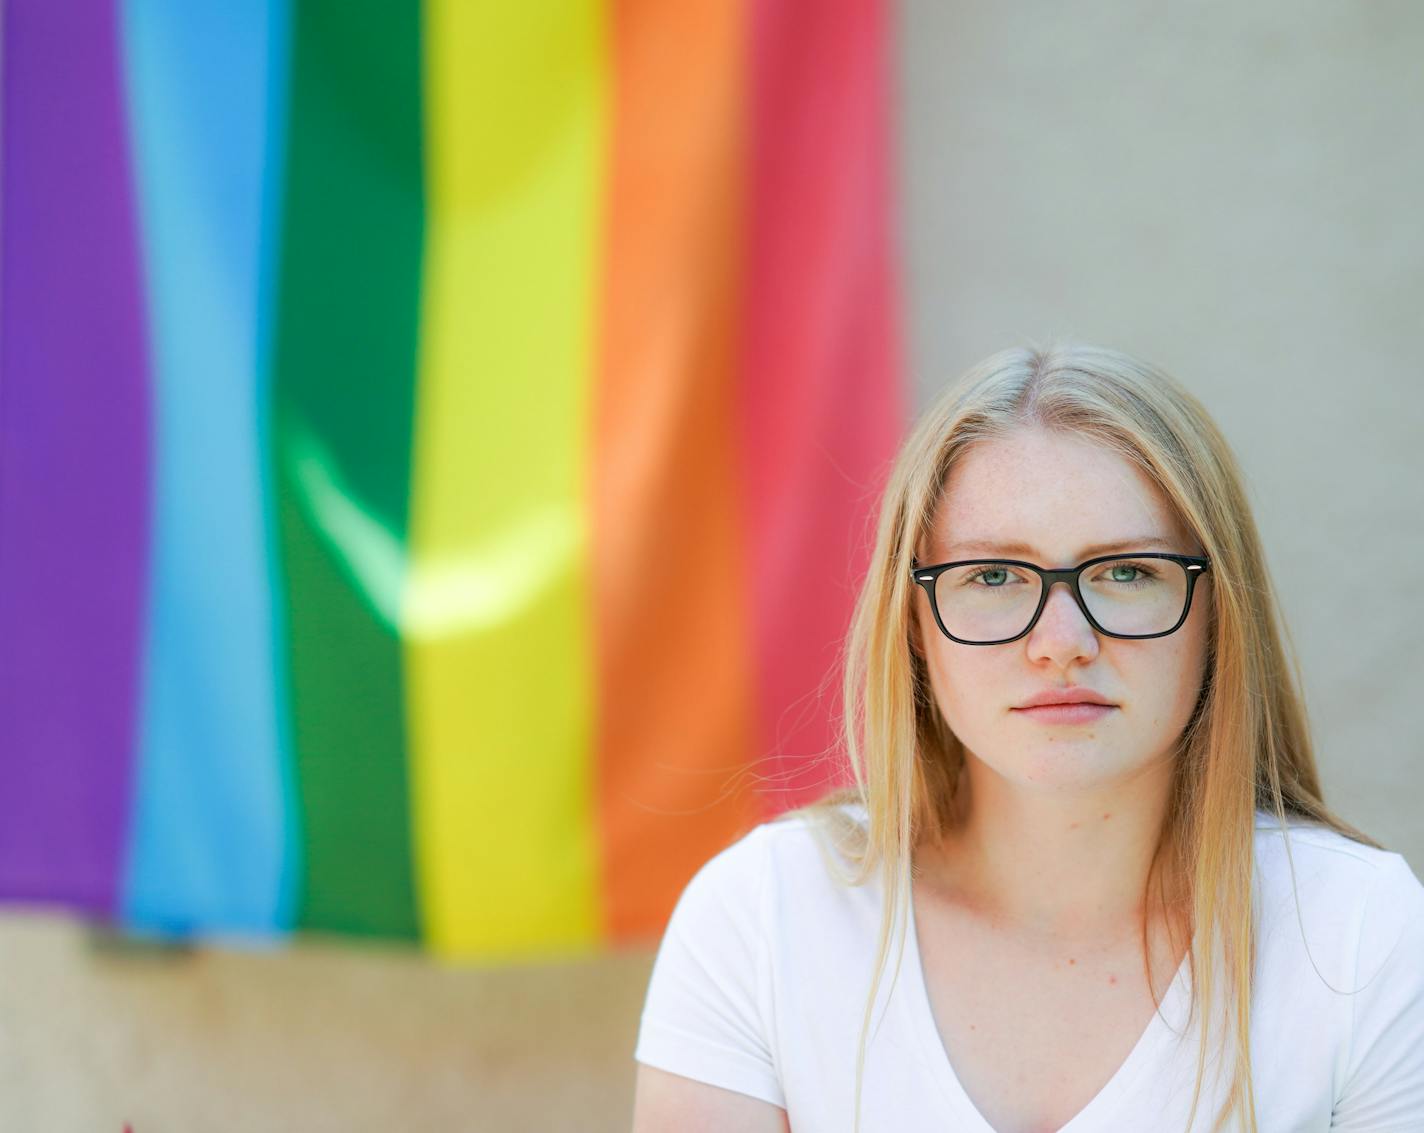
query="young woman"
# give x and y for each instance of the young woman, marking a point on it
(1087, 822)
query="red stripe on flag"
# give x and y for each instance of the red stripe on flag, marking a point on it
(822, 397)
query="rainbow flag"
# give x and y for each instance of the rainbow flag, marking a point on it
(438, 447)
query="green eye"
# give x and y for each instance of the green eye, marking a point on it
(989, 577)
(1128, 574)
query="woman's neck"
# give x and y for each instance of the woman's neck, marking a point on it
(1060, 866)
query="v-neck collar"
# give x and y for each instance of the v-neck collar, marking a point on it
(1099, 1113)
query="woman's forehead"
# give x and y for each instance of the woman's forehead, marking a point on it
(1052, 492)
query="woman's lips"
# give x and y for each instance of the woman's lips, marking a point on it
(1081, 713)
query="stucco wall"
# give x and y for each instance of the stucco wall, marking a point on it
(1230, 191)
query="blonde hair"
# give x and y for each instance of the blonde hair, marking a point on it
(1246, 746)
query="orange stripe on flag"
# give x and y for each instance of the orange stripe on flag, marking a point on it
(674, 649)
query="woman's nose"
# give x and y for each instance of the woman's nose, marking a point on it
(1062, 630)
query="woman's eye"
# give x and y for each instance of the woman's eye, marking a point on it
(991, 576)
(1129, 572)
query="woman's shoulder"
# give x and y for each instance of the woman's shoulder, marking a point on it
(758, 938)
(1362, 898)
(1331, 857)
(785, 839)
(802, 854)
(801, 841)
(766, 893)
(1342, 928)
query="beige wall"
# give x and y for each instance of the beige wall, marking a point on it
(1228, 190)
(322, 1037)
(1231, 191)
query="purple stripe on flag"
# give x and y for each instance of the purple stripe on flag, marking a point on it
(73, 458)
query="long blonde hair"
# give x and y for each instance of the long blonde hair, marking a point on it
(1246, 746)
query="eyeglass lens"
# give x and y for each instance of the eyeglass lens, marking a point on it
(992, 601)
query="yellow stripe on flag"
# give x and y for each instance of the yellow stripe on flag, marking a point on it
(499, 689)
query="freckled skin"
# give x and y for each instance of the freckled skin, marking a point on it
(1060, 493)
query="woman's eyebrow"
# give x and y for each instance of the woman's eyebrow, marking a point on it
(988, 547)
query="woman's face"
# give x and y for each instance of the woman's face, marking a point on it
(1059, 496)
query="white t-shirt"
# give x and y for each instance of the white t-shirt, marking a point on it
(760, 984)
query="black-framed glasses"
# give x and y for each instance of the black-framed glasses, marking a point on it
(995, 601)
